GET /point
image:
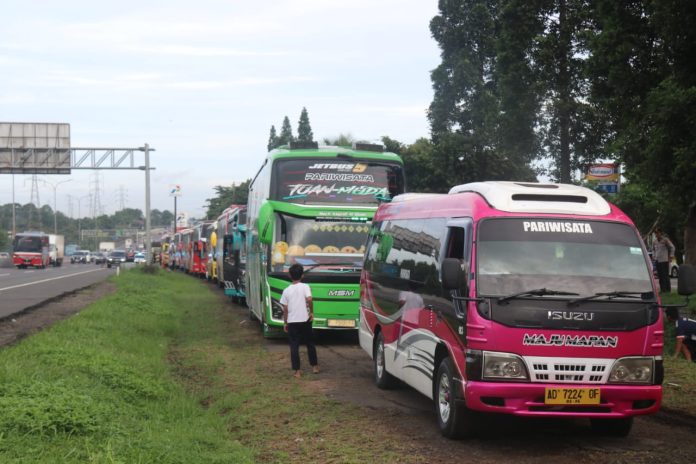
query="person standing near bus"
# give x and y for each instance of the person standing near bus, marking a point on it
(685, 332)
(297, 317)
(663, 250)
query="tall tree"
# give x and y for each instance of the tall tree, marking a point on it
(304, 129)
(272, 139)
(468, 100)
(285, 133)
(644, 78)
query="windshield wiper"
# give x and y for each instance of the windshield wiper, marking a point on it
(535, 292)
(610, 295)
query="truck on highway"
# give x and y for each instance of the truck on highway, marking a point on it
(56, 249)
(30, 249)
(107, 246)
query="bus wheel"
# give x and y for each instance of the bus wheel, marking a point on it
(383, 379)
(612, 427)
(453, 417)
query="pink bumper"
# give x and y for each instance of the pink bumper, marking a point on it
(525, 399)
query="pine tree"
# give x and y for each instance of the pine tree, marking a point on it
(272, 139)
(285, 133)
(304, 129)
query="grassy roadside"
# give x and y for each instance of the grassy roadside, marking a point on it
(679, 387)
(163, 372)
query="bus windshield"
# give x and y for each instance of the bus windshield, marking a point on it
(320, 246)
(582, 257)
(335, 181)
(28, 244)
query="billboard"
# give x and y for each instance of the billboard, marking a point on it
(175, 190)
(34, 148)
(607, 176)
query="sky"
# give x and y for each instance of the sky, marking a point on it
(202, 83)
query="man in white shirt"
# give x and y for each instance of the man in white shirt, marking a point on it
(297, 315)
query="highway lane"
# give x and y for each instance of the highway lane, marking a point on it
(22, 288)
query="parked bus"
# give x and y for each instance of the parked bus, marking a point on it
(312, 206)
(230, 251)
(199, 248)
(186, 250)
(30, 249)
(535, 300)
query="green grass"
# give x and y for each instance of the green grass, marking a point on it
(679, 387)
(99, 387)
(164, 371)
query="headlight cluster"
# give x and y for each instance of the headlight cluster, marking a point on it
(632, 370)
(276, 309)
(503, 366)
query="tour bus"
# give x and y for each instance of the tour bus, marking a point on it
(199, 248)
(175, 251)
(210, 264)
(30, 249)
(186, 250)
(529, 299)
(312, 206)
(230, 251)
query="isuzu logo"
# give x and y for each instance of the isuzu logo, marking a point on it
(569, 316)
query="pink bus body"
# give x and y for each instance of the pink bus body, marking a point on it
(556, 313)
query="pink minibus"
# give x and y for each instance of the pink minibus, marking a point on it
(517, 298)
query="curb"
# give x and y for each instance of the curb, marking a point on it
(38, 305)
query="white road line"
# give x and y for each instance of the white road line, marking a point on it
(28, 272)
(53, 278)
(3, 275)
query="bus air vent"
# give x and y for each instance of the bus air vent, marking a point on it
(302, 145)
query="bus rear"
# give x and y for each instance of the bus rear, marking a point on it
(30, 250)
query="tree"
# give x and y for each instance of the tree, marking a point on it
(341, 140)
(226, 196)
(272, 139)
(304, 129)
(468, 132)
(285, 133)
(644, 79)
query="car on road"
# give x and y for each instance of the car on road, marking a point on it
(140, 258)
(81, 256)
(99, 257)
(115, 258)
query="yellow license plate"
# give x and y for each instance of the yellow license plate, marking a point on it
(341, 323)
(571, 396)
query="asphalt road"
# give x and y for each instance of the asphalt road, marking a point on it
(23, 288)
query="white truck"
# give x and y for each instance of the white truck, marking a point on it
(107, 246)
(56, 249)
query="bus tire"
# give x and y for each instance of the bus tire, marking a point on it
(383, 379)
(612, 427)
(454, 419)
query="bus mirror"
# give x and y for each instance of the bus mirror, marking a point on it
(265, 224)
(686, 285)
(453, 276)
(382, 198)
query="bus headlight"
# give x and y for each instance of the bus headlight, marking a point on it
(276, 309)
(632, 370)
(503, 366)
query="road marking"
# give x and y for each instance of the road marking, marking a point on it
(53, 278)
(3, 275)
(29, 272)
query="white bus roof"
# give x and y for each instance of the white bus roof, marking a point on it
(529, 197)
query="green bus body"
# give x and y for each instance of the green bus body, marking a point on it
(314, 207)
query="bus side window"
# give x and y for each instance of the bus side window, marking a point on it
(455, 243)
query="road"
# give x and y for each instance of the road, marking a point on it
(24, 288)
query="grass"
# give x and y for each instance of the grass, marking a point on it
(679, 387)
(162, 371)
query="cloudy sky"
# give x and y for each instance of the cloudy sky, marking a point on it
(202, 82)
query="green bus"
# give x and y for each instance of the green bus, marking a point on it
(313, 206)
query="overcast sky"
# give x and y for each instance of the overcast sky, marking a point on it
(202, 82)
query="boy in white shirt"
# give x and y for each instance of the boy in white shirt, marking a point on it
(297, 315)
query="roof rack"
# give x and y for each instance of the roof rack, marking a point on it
(530, 197)
(368, 146)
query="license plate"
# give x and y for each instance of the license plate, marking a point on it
(571, 396)
(341, 323)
